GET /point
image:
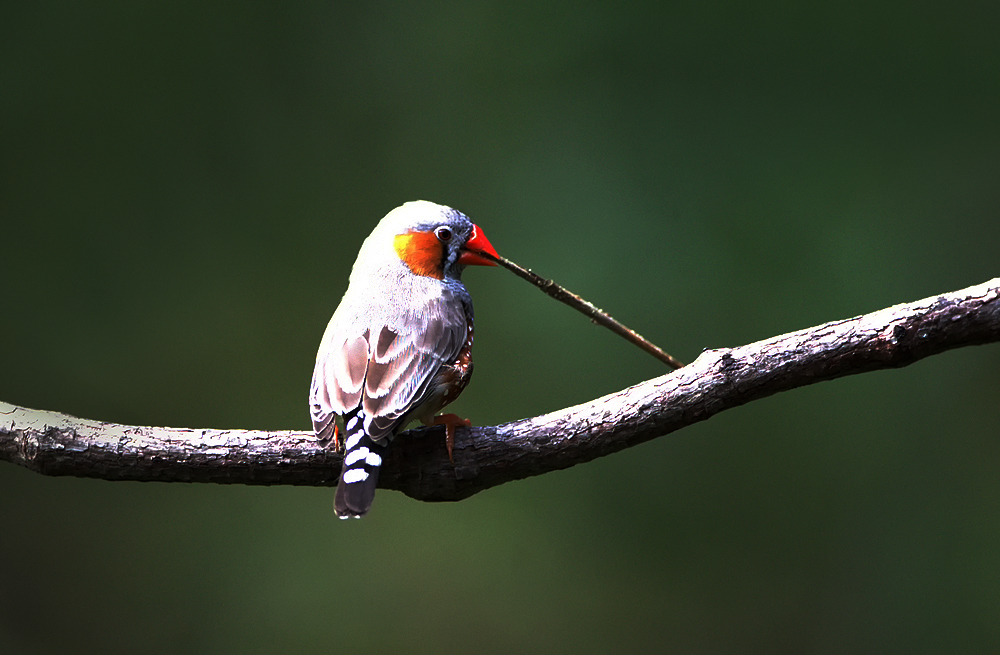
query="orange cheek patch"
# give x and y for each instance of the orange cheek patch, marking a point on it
(421, 252)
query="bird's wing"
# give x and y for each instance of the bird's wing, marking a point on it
(386, 369)
(337, 381)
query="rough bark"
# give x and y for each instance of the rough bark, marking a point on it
(417, 464)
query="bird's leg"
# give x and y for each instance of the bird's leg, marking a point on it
(450, 421)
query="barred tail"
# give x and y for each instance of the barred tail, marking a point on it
(359, 477)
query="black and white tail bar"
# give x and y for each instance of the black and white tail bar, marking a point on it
(359, 476)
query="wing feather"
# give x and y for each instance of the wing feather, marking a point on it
(337, 381)
(347, 370)
(388, 368)
(422, 344)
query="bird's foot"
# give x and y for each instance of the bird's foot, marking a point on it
(450, 422)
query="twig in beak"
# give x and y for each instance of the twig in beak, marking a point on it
(576, 302)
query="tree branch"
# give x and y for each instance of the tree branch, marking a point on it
(417, 464)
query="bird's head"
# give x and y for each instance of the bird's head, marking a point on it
(436, 241)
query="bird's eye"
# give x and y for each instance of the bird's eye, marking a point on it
(443, 234)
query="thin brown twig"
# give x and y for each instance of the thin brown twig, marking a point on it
(598, 316)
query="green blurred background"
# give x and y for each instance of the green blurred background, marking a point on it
(184, 188)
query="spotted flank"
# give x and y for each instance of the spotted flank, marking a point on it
(359, 477)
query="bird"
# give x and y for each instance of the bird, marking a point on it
(399, 345)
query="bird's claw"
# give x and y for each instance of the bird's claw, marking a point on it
(450, 422)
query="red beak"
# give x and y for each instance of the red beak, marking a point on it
(475, 247)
